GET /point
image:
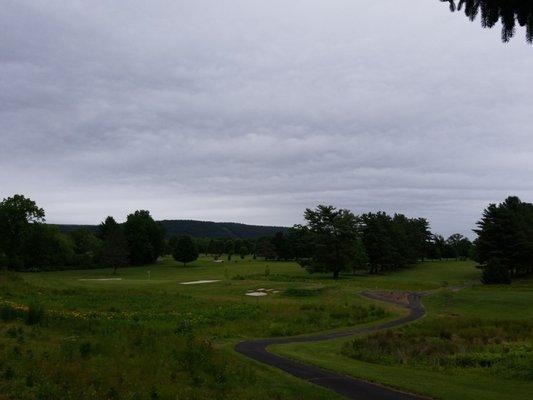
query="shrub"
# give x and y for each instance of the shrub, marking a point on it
(86, 349)
(35, 314)
(8, 312)
(462, 343)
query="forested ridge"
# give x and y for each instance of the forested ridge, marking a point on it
(201, 229)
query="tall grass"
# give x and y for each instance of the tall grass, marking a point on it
(500, 347)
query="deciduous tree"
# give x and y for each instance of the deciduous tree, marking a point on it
(17, 214)
(185, 250)
(145, 238)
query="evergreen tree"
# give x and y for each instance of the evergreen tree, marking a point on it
(394, 242)
(494, 272)
(106, 226)
(509, 12)
(334, 234)
(505, 233)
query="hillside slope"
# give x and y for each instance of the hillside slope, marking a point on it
(204, 229)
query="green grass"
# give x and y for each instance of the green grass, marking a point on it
(487, 316)
(155, 338)
(442, 384)
(141, 338)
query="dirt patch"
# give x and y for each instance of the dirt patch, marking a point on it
(390, 296)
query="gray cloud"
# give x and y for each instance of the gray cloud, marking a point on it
(251, 111)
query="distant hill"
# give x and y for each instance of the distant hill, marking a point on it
(203, 229)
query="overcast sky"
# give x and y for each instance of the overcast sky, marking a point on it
(250, 111)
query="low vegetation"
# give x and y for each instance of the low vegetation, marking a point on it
(503, 348)
(474, 343)
(76, 334)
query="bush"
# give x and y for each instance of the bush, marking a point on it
(86, 349)
(8, 312)
(35, 314)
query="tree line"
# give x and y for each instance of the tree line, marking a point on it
(332, 240)
(336, 240)
(27, 243)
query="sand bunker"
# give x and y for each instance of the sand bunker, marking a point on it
(199, 282)
(256, 294)
(101, 279)
(261, 292)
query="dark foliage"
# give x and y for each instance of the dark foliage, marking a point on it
(510, 12)
(185, 250)
(282, 246)
(18, 214)
(44, 247)
(145, 238)
(494, 272)
(505, 233)
(115, 251)
(456, 246)
(394, 242)
(266, 249)
(87, 248)
(334, 234)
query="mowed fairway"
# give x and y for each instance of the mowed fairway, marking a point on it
(149, 336)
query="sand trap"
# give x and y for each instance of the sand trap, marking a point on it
(101, 279)
(261, 292)
(256, 294)
(199, 282)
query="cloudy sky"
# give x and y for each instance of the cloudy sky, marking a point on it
(250, 111)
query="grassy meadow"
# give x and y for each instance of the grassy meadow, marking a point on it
(142, 334)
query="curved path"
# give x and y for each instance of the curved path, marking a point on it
(351, 388)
